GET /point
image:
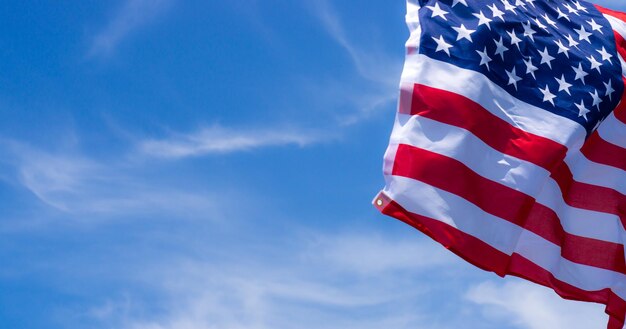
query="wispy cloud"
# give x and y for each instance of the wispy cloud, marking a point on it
(371, 64)
(75, 184)
(378, 71)
(132, 15)
(220, 140)
(374, 254)
(529, 306)
(287, 286)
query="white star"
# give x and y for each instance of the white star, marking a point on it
(540, 25)
(484, 58)
(547, 95)
(508, 6)
(513, 78)
(561, 14)
(514, 39)
(595, 26)
(594, 64)
(564, 85)
(531, 2)
(596, 99)
(580, 73)
(520, 3)
(456, 2)
(463, 33)
(609, 89)
(546, 58)
(528, 31)
(442, 45)
(572, 42)
(582, 110)
(500, 48)
(562, 48)
(530, 68)
(583, 34)
(437, 11)
(571, 10)
(496, 12)
(606, 56)
(580, 7)
(548, 20)
(482, 19)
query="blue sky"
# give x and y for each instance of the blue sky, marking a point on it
(210, 164)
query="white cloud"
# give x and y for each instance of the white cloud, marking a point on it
(289, 286)
(530, 306)
(375, 255)
(374, 67)
(371, 64)
(78, 185)
(73, 183)
(220, 140)
(132, 15)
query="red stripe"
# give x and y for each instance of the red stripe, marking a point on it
(598, 150)
(488, 258)
(514, 206)
(588, 196)
(456, 110)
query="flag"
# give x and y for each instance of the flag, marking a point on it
(509, 145)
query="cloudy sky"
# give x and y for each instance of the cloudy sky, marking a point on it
(174, 164)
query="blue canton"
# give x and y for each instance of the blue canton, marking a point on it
(556, 55)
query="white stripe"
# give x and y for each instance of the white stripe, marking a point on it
(475, 86)
(500, 234)
(388, 161)
(583, 222)
(623, 64)
(587, 171)
(613, 131)
(446, 76)
(584, 170)
(413, 23)
(617, 24)
(459, 144)
(412, 12)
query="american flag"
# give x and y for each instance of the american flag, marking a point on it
(509, 146)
